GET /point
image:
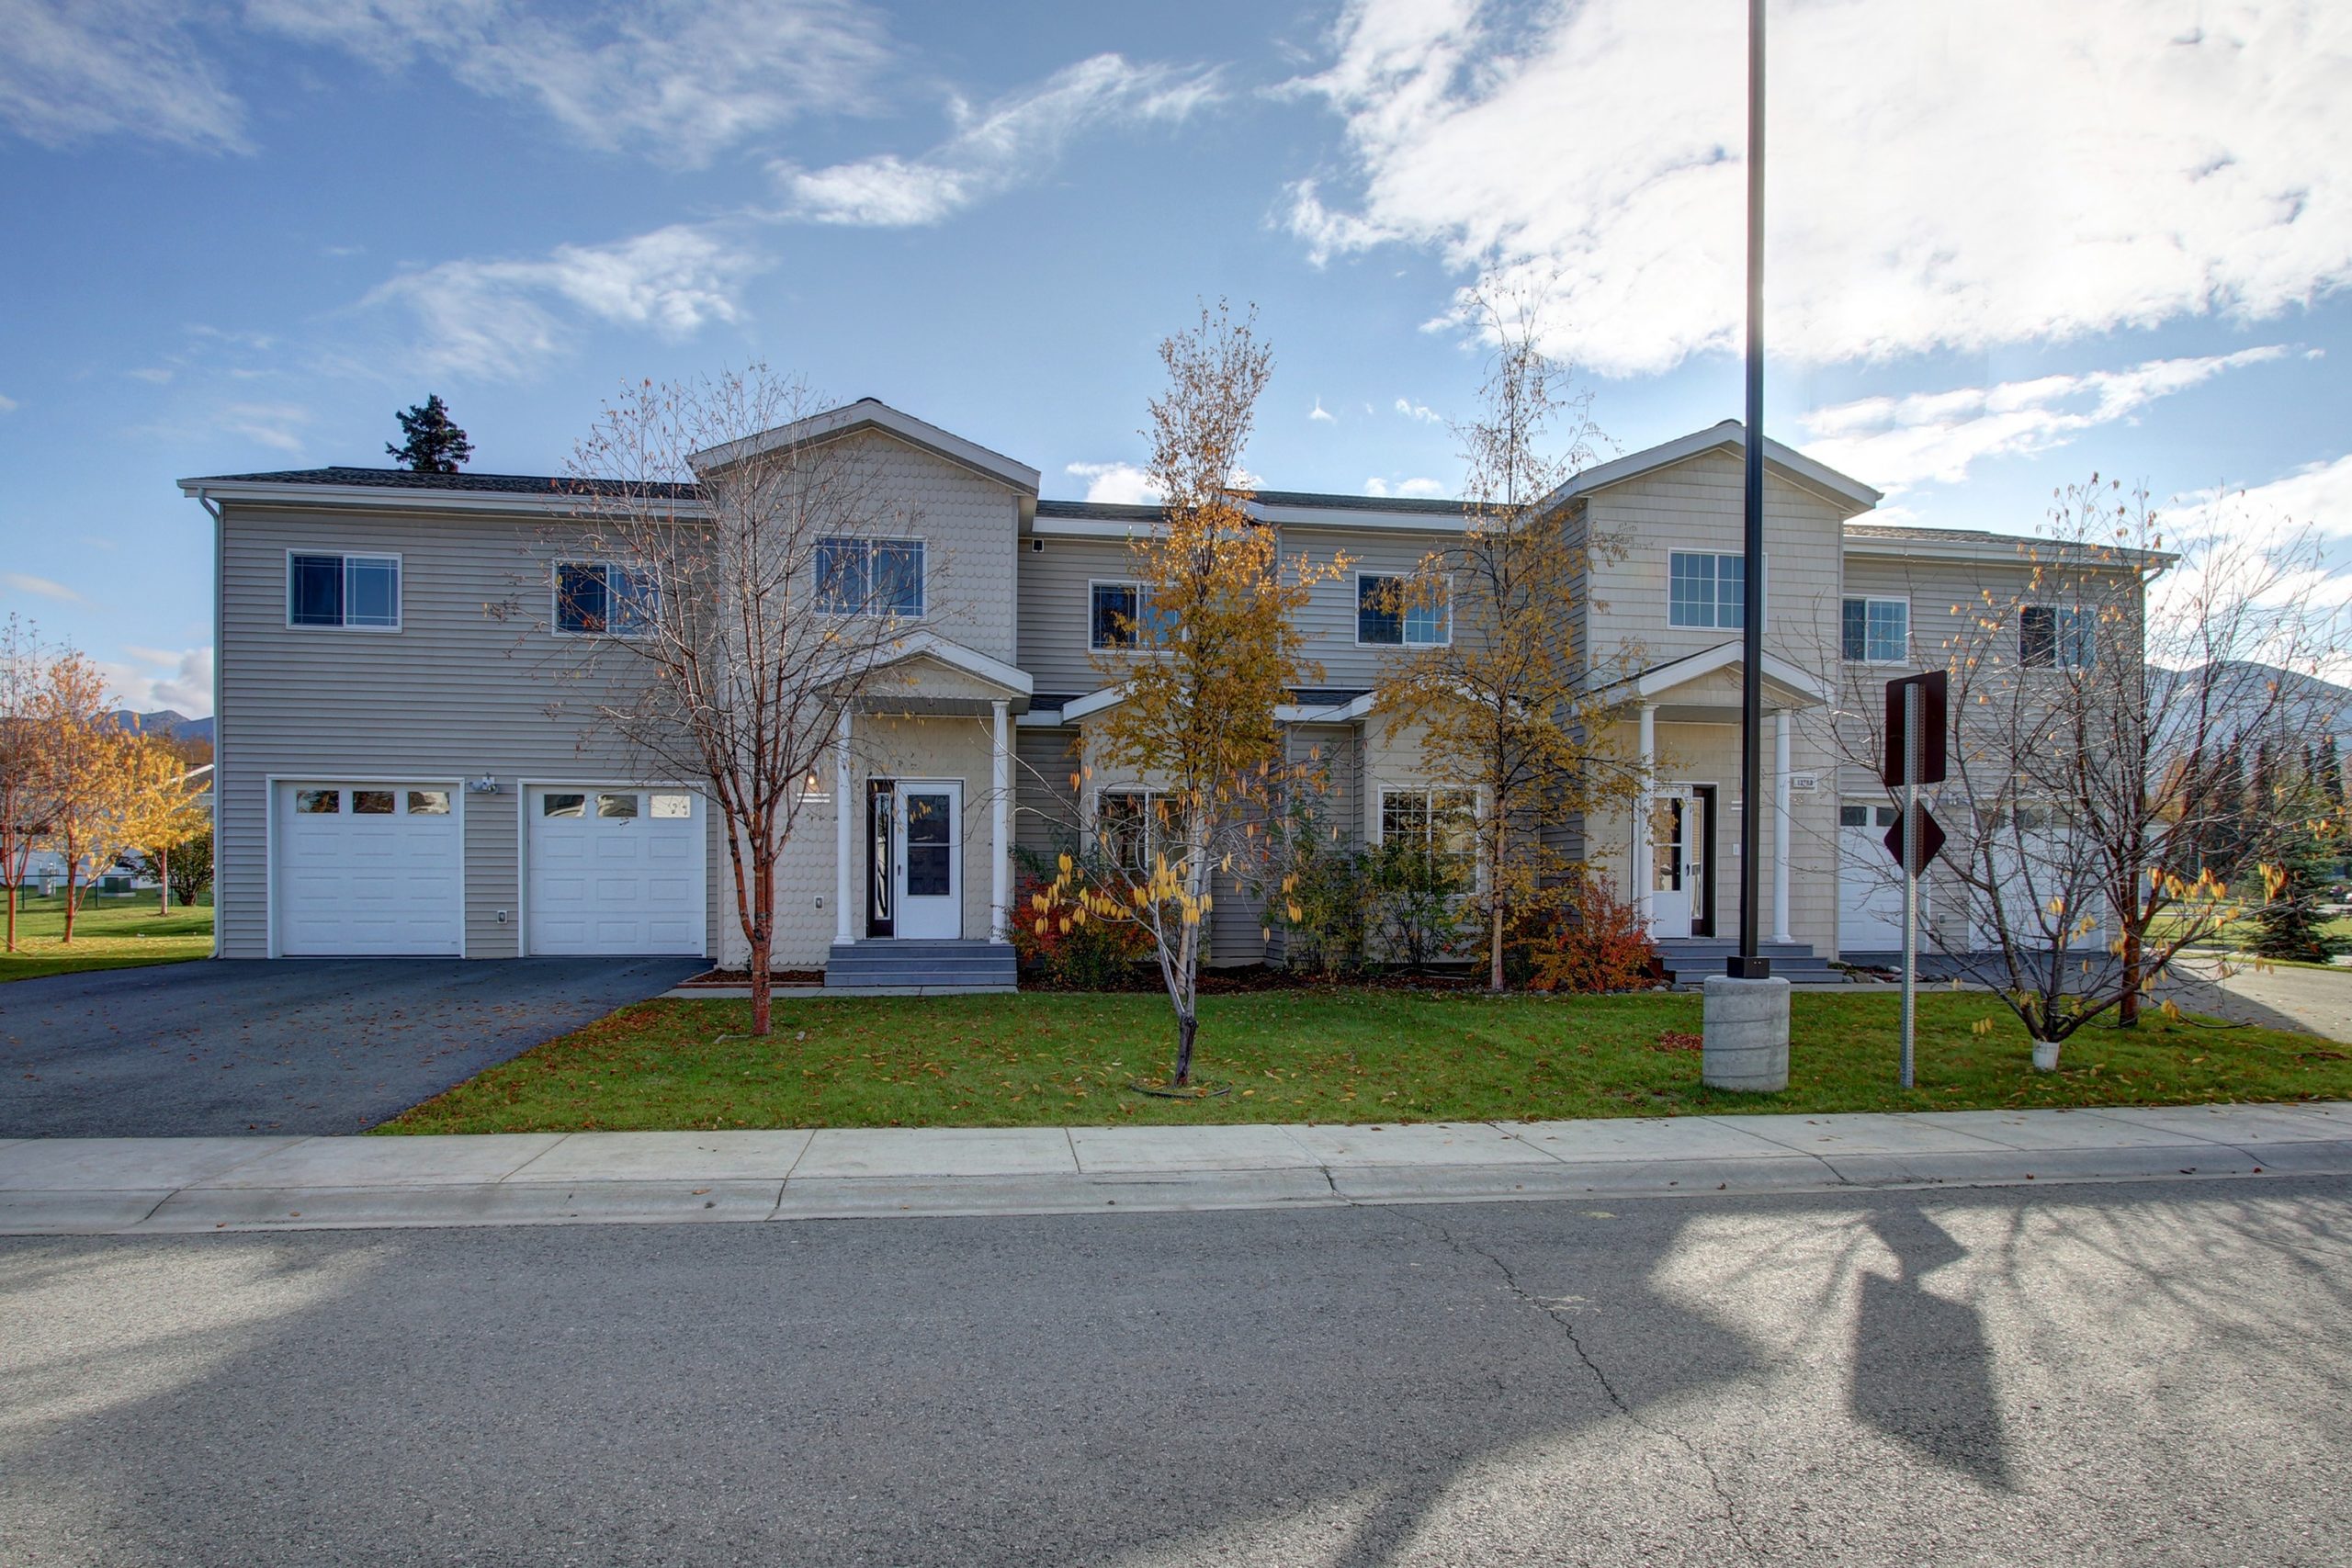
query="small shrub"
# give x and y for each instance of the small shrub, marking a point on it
(1591, 941)
(1419, 903)
(1053, 937)
(1316, 892)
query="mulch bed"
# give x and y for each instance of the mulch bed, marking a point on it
(1248, 978)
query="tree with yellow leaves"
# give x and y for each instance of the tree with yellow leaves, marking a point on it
(83, 753)
(1510, 705)
(1212, 651)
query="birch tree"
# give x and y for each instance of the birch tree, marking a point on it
(1214, 648)
(725, 640)
(1513, 721)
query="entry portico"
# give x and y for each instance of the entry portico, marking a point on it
(923, 791)
(1676, 826)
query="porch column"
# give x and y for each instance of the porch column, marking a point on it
(844, 837)
(1780, 821)
(999, 826)
(1643, 804)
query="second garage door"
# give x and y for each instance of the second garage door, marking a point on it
(614, 869)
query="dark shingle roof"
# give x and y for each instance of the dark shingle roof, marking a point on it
(1124, 513)
(405, 479)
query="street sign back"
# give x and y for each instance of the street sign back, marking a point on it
(1932, 728)
(1931, 840)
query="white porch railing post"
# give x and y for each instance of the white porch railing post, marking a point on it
(1782, 816)
(844, 836)
(999, 827)
(1642, 805)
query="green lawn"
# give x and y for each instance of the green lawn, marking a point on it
(108, 934)
(1319, 1055)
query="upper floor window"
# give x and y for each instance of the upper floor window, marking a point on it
(1392, 612)
(1706, 590)
(1877, 631)
(600, 599)
(870, 577)
(2057, 636)
(362, 591)
(1117, 611)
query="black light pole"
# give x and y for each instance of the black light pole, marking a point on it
(1748, 963)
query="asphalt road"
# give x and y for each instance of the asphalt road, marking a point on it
(2145, 1374)
(306, 1045)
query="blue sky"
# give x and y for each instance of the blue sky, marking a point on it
(2009, 247)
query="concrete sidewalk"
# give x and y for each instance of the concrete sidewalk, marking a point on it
(141, 1186)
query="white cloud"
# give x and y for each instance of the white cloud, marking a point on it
(680, 80)
(179, 678)
(9, 405)
(1414, 487)
(2317, 495)
(1896, 443)
(1420, 411)
(154, 375)
(276, 426)
(503, 319)
(26, 582)
(1120, 484)
(1009, 144)
(76, 70)
(1943, 177)
(1321, 415)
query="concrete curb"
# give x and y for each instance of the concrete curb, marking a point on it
(123, 1187)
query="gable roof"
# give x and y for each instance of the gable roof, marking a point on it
(1792, 465)
(872, 413)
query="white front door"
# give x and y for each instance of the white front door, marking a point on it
(1869, 885)
(1673, 869)
(614, 868)
(370, 869)
(928, 871)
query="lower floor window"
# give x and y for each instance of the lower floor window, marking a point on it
(1128, 826)
(1444, 819)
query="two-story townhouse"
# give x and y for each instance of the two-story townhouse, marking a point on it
(394, 775)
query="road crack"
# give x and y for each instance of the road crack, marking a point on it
(1725, 1503)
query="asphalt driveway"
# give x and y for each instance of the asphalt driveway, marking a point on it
(310, 1046)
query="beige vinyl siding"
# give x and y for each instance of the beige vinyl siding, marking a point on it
(1055, 606)
(1330, 617)
(454, 693)
(970, 526)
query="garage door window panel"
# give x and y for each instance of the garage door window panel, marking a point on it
(428, 803)
(563, 806)
(371, 802)
(611, 806)
(318, 802)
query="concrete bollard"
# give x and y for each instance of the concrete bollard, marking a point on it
(1746, 1043)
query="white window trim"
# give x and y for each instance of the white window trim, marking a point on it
(922, 578)
(400, 587)
(1377, 836)
(1719, 557)
(1866, 601)
(1093, 838)
(1092, 585)
(2060, 613)
(555, 597)
(1355, 615)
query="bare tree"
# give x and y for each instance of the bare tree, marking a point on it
(2099, 711)
(729, 629)
(1513, 722)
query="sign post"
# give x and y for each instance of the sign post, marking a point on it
(1915, 726)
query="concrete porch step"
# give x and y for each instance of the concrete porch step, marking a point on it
(911, 967)
(1688, 960)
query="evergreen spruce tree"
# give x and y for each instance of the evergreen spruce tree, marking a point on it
(434, 444)
(2331, 772)
(2290, 920)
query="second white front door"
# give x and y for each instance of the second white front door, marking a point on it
(928, 871)
(1674, 871)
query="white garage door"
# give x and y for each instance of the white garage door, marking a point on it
(1869, 885)
(614, 869)
(370, 869)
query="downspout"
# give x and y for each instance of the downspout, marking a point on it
(219, 600)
